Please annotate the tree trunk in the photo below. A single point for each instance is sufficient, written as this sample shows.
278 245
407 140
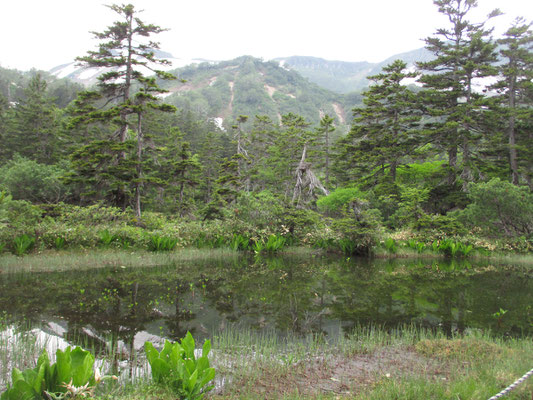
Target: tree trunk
452 163
138 184
513 156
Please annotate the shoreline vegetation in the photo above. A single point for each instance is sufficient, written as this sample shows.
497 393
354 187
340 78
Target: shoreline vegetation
365 363
94 258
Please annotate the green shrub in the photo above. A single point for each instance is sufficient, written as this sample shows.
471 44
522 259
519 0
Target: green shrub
357 236
177 366
28 180
337 200
500 208
445 224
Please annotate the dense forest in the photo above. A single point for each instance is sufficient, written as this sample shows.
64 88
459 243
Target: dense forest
442 152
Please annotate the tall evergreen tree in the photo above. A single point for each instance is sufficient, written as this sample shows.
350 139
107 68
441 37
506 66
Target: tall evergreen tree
125 51
34 133
463 52
516 89
324 131
384 133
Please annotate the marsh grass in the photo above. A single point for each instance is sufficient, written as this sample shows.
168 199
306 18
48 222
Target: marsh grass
406 363
364 363
51 260
18 348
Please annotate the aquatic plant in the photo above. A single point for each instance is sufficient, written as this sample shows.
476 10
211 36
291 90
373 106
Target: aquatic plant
22 244
390 245
239 242
106 238
162 243
71 376
177 366
59 242
451 248
275 243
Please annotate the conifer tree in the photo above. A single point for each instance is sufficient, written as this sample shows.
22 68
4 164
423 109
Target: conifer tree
324 131
384 133
463 52
516 97
126 52
35 123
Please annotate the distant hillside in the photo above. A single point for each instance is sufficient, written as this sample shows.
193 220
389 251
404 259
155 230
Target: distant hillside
343 76
249 86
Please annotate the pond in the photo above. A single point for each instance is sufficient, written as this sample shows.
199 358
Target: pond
288 295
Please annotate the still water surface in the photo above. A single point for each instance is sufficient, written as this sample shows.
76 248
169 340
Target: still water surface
295 295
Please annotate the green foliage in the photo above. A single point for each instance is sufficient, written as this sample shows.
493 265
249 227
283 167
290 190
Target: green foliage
358 236
28 180
410 208
162 243
177 366
16 216
337 200
275 243
70 376
444 224
500 208
106 238
23 244
59 242
452 248
414 245
391 245
239 242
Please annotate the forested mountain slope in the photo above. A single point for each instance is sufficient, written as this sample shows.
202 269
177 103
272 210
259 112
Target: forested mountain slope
250 86
343 76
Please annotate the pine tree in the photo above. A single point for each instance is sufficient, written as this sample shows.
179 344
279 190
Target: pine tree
125 52
324 131
463 52
383 135
516 97
35 126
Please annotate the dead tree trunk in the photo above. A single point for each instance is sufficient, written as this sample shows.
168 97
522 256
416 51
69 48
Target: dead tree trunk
305 178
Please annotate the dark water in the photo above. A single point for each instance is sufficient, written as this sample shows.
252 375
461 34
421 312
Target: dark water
297 295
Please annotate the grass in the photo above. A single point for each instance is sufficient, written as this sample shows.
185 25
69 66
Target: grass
365 363
51 260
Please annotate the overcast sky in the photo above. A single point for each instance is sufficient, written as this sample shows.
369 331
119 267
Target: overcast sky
46 33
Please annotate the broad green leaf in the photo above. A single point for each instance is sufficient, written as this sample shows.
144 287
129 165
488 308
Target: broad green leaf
192 380
63 369
160 370
202 364
16 375
21 390
206 348
151 353
209 375
39 383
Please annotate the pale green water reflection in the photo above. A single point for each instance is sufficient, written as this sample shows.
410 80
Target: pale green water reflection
297 295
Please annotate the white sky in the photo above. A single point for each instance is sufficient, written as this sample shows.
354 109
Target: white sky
46 33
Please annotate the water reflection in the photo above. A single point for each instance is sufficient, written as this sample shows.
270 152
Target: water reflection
116 309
